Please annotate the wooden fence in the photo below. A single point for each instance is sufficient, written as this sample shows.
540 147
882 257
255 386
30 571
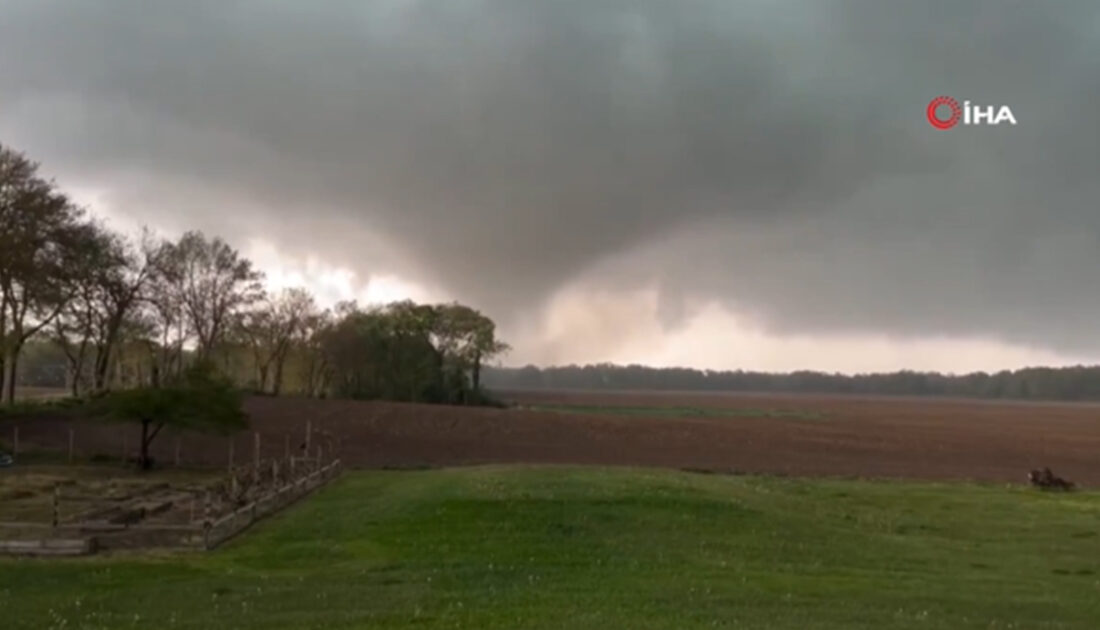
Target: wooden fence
76 537
215 532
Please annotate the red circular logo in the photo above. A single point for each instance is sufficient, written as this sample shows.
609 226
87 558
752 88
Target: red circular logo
950 121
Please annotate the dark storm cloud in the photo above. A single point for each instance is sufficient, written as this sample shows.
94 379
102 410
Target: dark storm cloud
772 155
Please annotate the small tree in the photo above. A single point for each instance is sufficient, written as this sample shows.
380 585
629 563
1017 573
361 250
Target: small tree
198 400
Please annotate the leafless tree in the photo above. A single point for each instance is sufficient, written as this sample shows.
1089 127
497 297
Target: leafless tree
271 328
122 288
311 343
212 283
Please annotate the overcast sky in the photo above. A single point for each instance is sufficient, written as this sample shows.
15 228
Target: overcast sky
720 184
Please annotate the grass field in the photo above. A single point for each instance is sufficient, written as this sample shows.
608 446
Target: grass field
517 547
677 411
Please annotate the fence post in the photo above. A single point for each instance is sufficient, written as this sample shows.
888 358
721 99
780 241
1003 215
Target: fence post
56 503
71 445
206 522
309 428
191 512
256 456
15 441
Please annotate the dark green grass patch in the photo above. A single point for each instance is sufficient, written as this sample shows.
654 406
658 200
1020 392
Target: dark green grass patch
545 547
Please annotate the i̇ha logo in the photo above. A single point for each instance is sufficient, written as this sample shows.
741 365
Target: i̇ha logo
967 113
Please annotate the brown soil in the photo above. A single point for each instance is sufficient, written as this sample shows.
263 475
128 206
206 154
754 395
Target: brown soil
847 436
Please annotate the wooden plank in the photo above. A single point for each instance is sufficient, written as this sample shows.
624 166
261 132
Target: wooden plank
48 547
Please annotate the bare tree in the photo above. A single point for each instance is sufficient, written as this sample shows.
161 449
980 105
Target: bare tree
312 345
212 283
122 286
72 332
164 315
272 328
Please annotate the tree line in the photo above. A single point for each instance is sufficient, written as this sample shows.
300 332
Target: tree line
96 310
1068 383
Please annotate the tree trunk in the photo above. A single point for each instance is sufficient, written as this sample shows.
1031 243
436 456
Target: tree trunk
477 372
102 368
78 368
146 462
11 363
316 377
277 384
441 374
118 373
261 372
11 358
310 367
4 290
104 352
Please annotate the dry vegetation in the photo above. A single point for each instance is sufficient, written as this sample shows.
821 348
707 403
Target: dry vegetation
26 493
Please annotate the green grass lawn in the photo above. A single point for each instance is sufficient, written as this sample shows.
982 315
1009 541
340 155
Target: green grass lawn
514 547
664 411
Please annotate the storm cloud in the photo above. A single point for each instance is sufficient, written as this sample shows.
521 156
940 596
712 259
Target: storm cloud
770 157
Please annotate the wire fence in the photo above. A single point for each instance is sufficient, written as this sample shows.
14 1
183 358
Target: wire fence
228 506
260 474
59 442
